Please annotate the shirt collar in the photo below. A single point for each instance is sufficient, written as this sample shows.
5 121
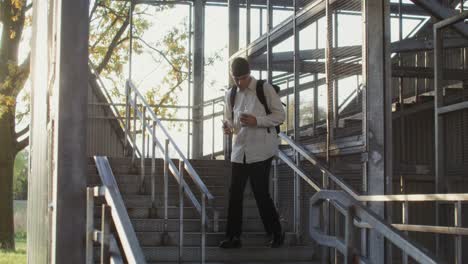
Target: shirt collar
253 83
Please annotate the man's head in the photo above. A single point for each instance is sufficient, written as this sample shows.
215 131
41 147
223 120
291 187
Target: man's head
240 72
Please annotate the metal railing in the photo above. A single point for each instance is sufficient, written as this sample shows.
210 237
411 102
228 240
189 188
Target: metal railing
149 123
113 211
113 107
352 205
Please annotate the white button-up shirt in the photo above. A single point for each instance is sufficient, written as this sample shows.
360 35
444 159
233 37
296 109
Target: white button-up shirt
256 143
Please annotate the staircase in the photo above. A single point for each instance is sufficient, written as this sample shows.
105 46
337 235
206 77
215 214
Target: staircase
159 246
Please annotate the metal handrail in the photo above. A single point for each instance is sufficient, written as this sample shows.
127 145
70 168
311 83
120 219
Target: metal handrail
178 173
336 179
349 196
113 107
354 208
118 213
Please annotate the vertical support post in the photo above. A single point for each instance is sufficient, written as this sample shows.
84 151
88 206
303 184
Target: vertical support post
89 225
127 117
316 86
130 32
153 170
326 216
349 237
335 81
405 221
269 47
296 69
135 111
143 150
203 227
198 79
233 47
248 25
287 107
68 104
438 124
105 234
297 199
458 238
181 210
376 74
213 131
189 80
166 182
328 76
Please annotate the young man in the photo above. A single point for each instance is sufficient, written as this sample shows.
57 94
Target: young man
255 143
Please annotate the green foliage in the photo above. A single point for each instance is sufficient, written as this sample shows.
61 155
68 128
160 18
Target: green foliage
19 255
20 177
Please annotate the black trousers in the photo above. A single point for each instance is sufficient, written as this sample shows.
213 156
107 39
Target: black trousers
258 173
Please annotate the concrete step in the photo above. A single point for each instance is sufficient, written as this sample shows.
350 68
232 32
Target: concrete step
136 178
251 254
191 225
244 255
134 189
173 212
173 200
212 239
241 262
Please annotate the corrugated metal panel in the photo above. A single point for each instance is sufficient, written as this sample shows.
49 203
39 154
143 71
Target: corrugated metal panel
103 138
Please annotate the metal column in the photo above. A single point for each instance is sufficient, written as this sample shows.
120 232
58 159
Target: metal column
297 180
376 73
269 47
198 78
233 47
69 115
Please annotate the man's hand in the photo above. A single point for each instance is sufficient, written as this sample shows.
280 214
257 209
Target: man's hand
227 128
248 120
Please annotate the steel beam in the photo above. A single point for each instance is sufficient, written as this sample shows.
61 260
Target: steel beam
405 45
198 78
436 9
376 78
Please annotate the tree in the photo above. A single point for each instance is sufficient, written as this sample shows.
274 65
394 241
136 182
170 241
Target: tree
13 75
108 51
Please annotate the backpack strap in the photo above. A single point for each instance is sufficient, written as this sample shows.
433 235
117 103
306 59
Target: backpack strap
232 99
261 98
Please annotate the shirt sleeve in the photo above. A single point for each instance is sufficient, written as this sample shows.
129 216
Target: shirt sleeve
277 115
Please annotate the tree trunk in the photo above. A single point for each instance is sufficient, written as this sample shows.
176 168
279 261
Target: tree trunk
7 159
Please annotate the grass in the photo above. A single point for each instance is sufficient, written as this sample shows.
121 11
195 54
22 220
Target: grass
18 256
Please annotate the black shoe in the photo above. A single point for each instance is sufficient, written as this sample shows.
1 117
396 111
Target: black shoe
233 242
278 240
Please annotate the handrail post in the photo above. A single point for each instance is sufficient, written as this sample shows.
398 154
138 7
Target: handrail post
297 199
143 150
153 170
405 221
127 116
105 232
135 109
349 236
89 225
203 228
326 217
181 209
458 238
213 131
166 182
